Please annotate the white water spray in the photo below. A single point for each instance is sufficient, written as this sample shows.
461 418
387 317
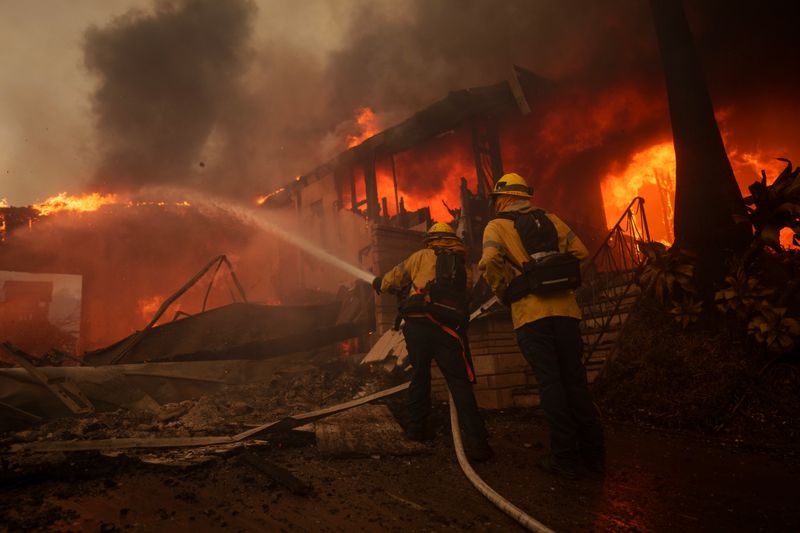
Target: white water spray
295 240
258 218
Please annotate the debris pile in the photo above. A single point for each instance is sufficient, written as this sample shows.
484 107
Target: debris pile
230 409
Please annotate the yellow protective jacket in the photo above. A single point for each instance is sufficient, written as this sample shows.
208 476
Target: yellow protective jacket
501 241
420 268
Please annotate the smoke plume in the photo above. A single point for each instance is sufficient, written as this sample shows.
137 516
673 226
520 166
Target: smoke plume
165 81
185 96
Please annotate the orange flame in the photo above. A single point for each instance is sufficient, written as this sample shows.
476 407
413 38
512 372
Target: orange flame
787 239
148 306
92 202
649 173
747 167
64 202
442 162
368 125
261 200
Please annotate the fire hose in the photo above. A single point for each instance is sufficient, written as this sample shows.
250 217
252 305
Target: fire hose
524 519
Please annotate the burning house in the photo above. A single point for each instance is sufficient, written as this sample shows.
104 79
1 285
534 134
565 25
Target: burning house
13 218
441 162
368 205
384 191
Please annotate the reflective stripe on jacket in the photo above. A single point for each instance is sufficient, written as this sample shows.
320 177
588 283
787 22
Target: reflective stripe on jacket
504 253
418 269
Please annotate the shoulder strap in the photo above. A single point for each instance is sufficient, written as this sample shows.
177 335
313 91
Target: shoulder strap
536 231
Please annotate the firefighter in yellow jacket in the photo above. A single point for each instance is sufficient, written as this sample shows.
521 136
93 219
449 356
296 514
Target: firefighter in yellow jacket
531 260
436 315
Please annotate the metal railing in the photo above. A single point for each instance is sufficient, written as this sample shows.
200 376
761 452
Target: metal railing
620 249
609 280
126 345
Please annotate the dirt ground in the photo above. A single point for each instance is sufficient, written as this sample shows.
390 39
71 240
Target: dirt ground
656 481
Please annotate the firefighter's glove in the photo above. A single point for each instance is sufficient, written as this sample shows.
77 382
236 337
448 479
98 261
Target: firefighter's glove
376 284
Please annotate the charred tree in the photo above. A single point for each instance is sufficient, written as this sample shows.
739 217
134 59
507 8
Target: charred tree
708 205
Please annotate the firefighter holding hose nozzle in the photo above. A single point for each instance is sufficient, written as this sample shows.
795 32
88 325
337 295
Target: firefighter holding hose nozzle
531 260
436 315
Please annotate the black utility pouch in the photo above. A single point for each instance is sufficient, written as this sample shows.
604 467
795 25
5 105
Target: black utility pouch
556 272
449 306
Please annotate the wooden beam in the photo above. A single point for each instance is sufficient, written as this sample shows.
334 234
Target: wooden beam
518 92
66 391
353 192
371 188
493 144
394 182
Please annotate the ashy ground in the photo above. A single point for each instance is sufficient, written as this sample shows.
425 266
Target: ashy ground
656 481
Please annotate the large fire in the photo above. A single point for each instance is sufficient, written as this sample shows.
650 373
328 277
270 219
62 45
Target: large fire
66 202
425 176
368 125
429 176
133 254
93 201
649 173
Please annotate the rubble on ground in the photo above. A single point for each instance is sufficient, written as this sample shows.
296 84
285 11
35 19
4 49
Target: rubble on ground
230 409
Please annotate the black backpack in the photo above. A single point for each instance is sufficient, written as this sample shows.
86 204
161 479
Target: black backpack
445 297
552 271
536 230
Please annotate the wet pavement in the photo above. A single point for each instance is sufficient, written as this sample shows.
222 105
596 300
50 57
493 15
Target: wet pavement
655 482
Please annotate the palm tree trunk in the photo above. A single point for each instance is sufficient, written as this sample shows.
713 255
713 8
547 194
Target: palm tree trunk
708 203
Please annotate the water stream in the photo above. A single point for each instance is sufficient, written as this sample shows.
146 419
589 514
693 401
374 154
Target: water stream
258 217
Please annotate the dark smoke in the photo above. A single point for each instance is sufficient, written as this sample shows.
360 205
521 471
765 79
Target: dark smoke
404 62
184 85
165 82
